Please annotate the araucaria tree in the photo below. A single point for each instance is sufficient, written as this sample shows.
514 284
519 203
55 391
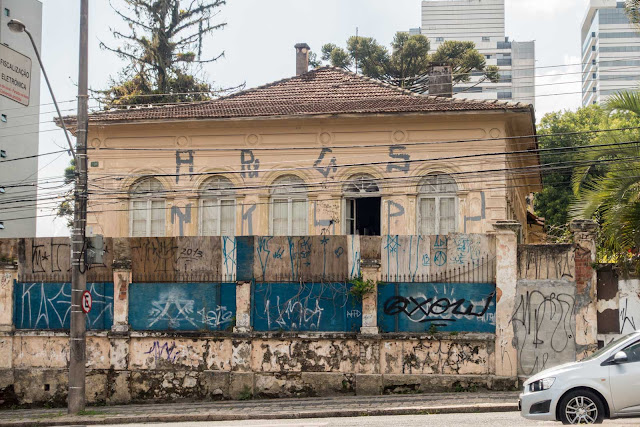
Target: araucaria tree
409 59
163 49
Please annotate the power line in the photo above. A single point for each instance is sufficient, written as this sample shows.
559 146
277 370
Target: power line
455 141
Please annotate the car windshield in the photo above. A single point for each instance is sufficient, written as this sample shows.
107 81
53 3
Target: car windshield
609 346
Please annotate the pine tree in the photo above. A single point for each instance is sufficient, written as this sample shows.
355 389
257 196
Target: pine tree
163 48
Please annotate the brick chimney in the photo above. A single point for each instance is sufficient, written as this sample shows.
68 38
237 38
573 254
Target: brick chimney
440 80
302 58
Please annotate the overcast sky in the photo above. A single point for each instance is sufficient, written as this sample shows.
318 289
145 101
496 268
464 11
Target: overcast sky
258 44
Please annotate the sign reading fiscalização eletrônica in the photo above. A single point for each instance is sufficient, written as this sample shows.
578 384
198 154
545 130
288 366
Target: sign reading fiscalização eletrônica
15 75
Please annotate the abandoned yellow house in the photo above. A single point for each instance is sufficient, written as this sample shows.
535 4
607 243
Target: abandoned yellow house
327 151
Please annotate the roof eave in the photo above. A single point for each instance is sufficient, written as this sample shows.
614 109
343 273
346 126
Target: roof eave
308 116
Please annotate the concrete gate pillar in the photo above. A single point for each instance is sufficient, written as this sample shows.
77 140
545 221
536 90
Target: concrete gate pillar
8 274
122 277
506 356
243 307
584 236
119 337
370 271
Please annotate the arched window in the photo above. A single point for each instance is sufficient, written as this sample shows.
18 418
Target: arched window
147 208
362 205
361 184
437 205
217 207
289 207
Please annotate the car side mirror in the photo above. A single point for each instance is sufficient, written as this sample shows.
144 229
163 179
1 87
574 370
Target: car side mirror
620 357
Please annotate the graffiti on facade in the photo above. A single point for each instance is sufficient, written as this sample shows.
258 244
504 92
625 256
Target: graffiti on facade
418 307
182 306
463 257
395 211
164 351
544 326
184 157
325 217
399 159
326 307
326 167
247 216
250 165
183 259
312 258
546 262
49 260
182 216
48 306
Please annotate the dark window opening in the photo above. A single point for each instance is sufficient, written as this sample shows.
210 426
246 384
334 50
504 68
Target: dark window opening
363 216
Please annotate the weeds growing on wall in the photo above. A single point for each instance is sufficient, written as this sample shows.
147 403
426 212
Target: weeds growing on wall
361 287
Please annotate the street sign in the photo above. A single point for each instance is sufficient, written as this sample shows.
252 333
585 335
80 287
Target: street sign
87 300
15 75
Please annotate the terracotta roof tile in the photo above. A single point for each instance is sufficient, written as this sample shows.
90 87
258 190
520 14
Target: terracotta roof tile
325 90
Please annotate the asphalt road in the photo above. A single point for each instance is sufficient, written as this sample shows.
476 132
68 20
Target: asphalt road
503 419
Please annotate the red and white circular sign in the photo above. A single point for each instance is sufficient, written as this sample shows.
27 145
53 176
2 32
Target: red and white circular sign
87 300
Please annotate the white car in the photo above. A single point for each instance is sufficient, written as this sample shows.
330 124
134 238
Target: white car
604 385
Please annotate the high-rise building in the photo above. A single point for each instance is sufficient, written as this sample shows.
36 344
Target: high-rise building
482 22
19 125
610 51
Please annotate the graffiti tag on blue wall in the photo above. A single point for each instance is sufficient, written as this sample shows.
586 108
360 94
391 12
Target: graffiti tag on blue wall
416 307
48 306
327 307
182 306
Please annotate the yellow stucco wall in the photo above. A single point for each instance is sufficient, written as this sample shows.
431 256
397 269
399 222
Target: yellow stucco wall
482 198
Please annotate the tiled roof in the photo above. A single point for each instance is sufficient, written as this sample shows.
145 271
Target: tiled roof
322 91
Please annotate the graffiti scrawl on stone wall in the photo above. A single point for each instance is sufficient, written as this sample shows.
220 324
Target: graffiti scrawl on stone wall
419 307
544 325
629 309
429 258
326 307
309 258
182 306
48 306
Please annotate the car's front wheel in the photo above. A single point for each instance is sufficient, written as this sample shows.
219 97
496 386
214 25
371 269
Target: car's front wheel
581 407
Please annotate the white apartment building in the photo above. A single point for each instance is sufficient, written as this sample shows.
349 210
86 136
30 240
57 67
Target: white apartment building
483 22
19 127
610 51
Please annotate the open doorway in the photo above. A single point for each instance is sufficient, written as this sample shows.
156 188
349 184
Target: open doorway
363 216
362 206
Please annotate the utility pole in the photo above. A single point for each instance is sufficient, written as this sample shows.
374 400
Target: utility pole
77 342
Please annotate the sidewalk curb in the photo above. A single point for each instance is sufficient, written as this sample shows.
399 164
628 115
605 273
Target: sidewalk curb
170 418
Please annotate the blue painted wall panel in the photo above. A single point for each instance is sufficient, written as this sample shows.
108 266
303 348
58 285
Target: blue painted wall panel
182 306
414 307
325 307
48 306
244 257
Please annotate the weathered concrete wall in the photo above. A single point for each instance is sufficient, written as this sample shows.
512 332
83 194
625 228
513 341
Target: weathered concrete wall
436 258
48 306
165 367
555 316
449 307
629 298
327 307
544 324
182 306
471 310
